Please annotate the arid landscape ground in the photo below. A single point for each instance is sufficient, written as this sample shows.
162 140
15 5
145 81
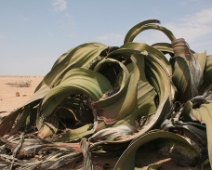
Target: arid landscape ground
14 95
15 91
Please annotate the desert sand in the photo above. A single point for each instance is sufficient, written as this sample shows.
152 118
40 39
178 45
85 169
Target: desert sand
13 96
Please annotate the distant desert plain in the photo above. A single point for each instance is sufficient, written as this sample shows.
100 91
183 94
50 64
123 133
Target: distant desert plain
15 91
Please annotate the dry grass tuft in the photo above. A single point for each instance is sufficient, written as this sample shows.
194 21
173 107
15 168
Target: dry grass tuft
20 83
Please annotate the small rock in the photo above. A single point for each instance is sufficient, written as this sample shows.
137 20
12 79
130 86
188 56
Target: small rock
17 94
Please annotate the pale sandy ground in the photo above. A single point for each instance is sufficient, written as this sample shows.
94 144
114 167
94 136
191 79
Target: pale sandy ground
9 101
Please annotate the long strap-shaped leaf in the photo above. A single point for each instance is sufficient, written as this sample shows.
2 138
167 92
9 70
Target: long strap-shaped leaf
115 111
75 134
79 56
159 78
124 81
153 51
181 79
75 81
145 26
204 115
143 104
127 159
49 128
7 123
187 74
135 29
165 48
161 81
207 78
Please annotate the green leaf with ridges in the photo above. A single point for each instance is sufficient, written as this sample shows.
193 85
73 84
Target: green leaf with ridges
73 135
181 79
7 122
204 115
124 81
115 111
165 48
158 76
78 57
49 127
135 29
79 81
151 50
207 77
188 73
127 159
142 27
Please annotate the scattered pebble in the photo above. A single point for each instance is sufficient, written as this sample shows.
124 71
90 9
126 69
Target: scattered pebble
17 94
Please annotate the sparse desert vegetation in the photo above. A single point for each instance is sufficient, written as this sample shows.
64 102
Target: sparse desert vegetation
25 83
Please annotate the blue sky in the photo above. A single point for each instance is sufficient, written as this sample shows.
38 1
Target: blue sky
33 34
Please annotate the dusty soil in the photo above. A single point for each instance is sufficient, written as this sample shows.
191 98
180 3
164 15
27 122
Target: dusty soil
13 96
